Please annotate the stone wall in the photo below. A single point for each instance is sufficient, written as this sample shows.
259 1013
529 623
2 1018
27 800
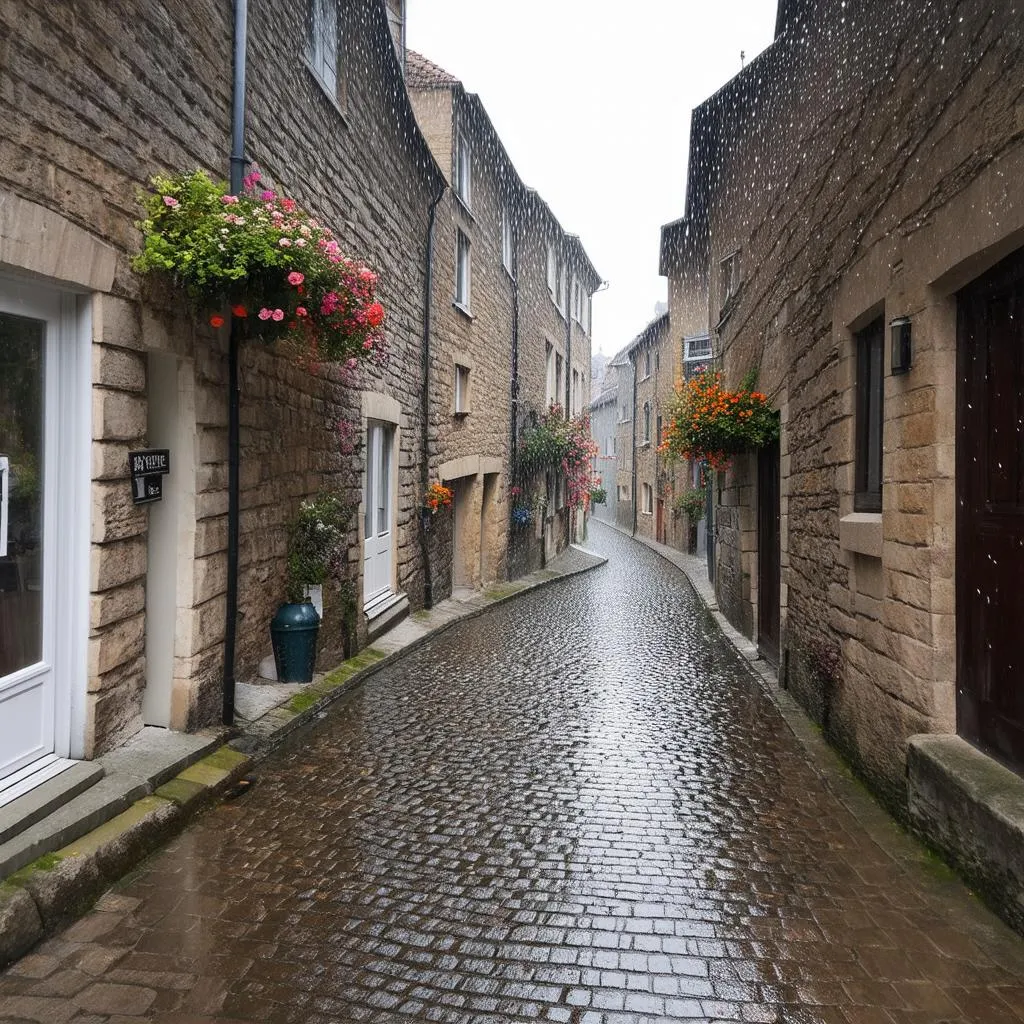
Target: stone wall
831 163
96 104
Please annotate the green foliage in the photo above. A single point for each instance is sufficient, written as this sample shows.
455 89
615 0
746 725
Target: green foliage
316 543
598 495
545 445
691 504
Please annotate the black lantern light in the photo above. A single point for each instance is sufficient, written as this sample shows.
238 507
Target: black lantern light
902 351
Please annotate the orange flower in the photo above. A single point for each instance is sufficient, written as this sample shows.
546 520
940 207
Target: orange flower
216 320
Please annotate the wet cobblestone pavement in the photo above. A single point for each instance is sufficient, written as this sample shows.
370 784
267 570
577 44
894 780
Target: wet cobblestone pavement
576 807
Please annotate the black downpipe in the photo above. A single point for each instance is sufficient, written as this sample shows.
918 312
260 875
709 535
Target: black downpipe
428 576
570 514
234 341
514 442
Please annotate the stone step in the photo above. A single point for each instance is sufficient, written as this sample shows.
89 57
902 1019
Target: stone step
117 780
43 800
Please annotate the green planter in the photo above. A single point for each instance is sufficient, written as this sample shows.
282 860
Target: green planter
293 634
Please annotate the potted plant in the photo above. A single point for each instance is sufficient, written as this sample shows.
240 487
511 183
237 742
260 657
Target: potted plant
316 542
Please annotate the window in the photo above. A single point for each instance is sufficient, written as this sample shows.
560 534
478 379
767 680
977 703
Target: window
322 49
868 451
696 354
461 390
657 361
559 380
646 499
585 321
552 271
609 446
561 293
647 422
577 300
506 239
549 371
647 364
729 277
463 170
462 272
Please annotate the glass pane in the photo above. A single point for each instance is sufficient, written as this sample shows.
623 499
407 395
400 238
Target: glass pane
21 491
372 436
384 490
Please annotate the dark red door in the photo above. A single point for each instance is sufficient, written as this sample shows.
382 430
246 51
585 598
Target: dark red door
769 553
990 511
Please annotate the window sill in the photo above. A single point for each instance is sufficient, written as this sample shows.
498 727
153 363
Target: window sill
464 310
861 532
464 206
331 95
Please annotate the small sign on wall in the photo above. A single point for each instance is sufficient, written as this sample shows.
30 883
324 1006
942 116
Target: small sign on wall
148 469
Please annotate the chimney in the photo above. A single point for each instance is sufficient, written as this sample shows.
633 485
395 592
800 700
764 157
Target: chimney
396 22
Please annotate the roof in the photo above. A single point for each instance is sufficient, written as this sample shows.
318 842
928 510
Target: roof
421 73
660 322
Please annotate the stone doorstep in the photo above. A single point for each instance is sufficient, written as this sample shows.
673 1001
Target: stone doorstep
97 791
970 808
154 784
61 885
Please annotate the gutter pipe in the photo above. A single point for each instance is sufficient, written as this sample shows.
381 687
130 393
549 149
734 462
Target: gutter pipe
428 579
238 161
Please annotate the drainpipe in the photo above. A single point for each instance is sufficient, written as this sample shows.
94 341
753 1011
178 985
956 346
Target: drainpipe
428 579
237 170
514 443
632 363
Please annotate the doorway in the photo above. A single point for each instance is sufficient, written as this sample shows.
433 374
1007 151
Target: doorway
378 512
43 459
769 557
990 511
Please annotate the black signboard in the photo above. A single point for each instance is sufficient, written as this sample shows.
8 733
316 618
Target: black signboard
148 468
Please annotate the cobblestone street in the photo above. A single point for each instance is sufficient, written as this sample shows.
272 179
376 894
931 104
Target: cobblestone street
576 807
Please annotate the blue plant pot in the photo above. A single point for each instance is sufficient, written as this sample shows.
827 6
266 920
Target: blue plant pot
293 634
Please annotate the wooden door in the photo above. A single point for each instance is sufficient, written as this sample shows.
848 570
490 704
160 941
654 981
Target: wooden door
990 511
769 556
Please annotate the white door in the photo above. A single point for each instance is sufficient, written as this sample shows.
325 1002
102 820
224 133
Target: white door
377 514
31 549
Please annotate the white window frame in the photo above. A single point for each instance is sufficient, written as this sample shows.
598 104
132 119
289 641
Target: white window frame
549 374
464 171
646 499
322 44
463 270
552 272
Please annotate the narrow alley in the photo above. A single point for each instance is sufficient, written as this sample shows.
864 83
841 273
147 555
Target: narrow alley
579 806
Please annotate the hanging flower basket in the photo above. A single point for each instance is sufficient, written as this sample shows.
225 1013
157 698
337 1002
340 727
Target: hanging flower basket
276 267
710 424
557 443
437 497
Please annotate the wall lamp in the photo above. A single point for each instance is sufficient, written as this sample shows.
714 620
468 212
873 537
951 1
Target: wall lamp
902 355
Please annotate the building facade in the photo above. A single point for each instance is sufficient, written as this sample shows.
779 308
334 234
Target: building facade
855 229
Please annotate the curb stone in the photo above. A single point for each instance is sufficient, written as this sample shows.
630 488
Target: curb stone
58 887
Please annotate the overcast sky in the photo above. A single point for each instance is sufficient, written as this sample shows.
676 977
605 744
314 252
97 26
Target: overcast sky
592 100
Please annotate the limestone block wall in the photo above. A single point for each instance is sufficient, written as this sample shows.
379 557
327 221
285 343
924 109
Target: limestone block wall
830 164
97 103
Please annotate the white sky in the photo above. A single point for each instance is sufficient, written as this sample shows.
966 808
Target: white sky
592 100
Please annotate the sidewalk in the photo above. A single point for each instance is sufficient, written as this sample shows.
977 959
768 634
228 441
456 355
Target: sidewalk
132 800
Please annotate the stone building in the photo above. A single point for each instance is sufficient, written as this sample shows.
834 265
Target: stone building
854 226
118 609
495 302
604 411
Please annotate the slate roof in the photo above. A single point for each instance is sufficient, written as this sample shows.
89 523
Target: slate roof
421 73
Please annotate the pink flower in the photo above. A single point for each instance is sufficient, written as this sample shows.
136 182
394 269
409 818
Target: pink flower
296 278
284 242
264 314
171 202
301 311
250 180
229 200
300 242
278 314
289 205
267 195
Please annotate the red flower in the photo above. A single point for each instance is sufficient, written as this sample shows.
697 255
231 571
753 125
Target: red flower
216 320
375 314
240 311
